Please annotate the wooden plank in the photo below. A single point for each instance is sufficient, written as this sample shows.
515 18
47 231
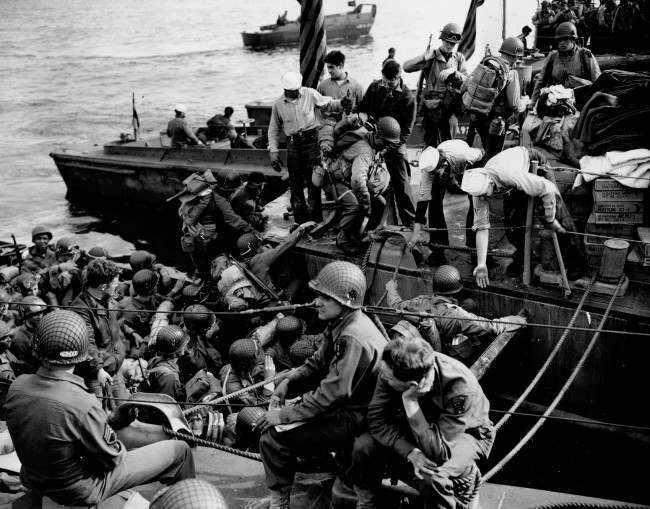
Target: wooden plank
483 363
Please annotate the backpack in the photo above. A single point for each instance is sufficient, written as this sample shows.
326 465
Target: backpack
484 85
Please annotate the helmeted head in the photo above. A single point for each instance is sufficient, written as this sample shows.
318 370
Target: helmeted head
341 283
406 361
388 130
446 280
171 340
451 33
191 294
197 318
289 329
27 284
227 180
247 436
477 182
404 329
243 354
61 339
189 494
512 47
141 259
566 36
545 4
97 252
66 249
32 309
41 235
248 245
300 351
145 282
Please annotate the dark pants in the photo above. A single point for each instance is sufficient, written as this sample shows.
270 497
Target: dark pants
437 217
436 131
279 450
400 181
370 460
491 140
302 155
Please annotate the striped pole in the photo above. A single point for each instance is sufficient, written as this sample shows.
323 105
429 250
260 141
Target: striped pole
468 39
312 41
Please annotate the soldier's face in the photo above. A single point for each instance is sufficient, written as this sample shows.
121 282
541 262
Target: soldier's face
41 241
394 382
327 308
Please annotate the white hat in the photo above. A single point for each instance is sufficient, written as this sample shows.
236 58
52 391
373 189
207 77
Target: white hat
291 81
476 182
180 108
429 159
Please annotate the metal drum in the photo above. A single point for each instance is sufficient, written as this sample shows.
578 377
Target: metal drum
613 261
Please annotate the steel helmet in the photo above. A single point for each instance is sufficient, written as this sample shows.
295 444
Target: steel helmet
62 338
388 128
227 180
198 318
191 293
97 252
144 282
289 327
243 352
41 230
566 30
429 159
342 281
189 494
446 280
141 260
247 418
512 46
170 339
248 244
32 305
300 351
451 33
65 245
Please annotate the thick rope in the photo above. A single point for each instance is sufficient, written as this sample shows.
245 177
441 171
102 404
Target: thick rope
207 443
395 272
548 361
560 394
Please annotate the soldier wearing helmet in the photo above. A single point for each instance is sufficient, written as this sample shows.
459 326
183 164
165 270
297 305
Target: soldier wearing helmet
441 169
444 71
288 330
390 97
179 130
62 281
247 367
201 352
569 65
66 443
41 255
164 373
452 326
334 411
543 18
136 322
429 420
294 114
23 344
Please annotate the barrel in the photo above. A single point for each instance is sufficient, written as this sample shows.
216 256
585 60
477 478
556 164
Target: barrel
613 261
525 73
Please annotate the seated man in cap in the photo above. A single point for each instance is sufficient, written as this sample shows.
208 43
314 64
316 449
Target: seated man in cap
508 174
179 130
429 420
293 114
341 376
65 441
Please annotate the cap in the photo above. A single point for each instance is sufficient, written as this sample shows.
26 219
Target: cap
291 81
181 108
429 159
476 182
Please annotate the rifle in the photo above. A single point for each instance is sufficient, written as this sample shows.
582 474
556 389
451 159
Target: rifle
421 79
257 281
19 255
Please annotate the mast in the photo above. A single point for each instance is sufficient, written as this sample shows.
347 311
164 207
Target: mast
503 29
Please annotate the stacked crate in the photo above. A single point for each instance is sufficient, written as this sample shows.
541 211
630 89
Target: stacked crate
617 211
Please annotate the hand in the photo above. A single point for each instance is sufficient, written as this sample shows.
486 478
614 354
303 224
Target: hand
104 378
556 226
276 164
235 303
193 230
413 240
306 227
269 367
391 285
138 340
268 420
445 73
481 275
421 464
279 395
346 103
413 393
216 426
454 128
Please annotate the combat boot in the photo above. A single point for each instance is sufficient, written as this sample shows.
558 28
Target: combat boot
280 498
366 499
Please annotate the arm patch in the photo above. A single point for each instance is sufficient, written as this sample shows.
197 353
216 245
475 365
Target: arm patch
458 405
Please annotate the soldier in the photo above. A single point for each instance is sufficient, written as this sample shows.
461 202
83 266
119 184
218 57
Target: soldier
429 420
441 66
64 439
246 200
136 320
179 131
288 330
41 255
454 330
23 346
247 367
333 413
164 374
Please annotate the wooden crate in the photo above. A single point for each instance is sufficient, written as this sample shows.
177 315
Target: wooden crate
626 194
643 233
619 207
593 248
612 230
625 218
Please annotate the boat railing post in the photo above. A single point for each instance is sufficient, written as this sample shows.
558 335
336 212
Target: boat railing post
529 228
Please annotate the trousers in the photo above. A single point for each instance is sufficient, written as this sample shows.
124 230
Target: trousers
370 460
303 154
333 431
437 217
400 181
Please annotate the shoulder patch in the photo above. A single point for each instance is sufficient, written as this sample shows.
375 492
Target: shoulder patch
339 348
458 405
109 436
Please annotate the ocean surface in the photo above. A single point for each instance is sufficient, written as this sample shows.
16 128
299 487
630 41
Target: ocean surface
68 69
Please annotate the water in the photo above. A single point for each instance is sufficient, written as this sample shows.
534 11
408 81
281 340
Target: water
68 68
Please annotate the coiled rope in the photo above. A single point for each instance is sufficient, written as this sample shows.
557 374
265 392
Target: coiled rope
208 443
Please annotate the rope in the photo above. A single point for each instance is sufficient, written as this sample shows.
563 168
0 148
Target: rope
207 443
397 267
550 358
560 394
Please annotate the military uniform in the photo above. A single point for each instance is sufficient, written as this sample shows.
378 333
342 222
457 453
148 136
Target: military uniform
198 355
233 381
22 346
70 452
36 260
164 378
459 433
333 412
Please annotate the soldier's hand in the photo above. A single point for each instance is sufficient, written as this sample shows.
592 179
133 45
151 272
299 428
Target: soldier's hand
445 73
421 464
279 395
104 378
413 393
413 240
391 285
269 367
481 275
276 164
268 420
556 226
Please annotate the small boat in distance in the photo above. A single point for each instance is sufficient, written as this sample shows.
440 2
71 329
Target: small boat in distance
349 25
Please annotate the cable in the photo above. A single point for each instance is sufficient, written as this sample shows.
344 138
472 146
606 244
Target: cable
207 443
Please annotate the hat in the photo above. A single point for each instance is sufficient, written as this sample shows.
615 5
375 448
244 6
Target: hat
429 159
180 108
476 182
291 81
197 184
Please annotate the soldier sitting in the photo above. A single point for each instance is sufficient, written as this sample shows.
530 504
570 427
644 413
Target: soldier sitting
246 200
247 367
288 330
41 255
164 373
23 344
136 321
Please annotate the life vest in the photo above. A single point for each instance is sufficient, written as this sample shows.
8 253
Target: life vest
484 85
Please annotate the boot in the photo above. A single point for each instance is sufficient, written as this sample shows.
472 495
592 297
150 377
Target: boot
280 498
366 499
